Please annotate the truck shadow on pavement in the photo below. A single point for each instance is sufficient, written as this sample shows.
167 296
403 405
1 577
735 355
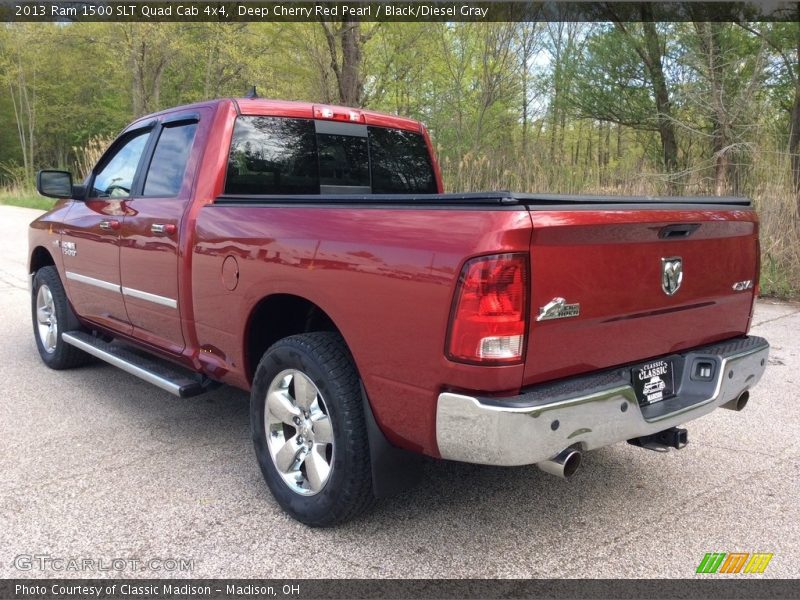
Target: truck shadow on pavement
217 425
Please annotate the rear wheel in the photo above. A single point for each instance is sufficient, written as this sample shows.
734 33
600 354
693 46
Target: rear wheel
51 314
308 429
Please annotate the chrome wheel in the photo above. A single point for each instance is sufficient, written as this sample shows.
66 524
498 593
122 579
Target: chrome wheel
299 432
46 321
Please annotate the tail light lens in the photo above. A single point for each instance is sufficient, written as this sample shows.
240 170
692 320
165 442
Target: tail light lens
490 311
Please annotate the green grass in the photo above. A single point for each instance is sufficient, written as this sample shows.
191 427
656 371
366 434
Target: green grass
28 201
776 282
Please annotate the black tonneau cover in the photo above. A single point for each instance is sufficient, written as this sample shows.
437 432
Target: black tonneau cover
501 198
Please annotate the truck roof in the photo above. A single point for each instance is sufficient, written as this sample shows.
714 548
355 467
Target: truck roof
292 108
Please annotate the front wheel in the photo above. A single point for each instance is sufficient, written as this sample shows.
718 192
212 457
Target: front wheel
308 429
51 313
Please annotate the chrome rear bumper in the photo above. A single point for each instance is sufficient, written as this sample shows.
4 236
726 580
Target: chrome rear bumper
591 411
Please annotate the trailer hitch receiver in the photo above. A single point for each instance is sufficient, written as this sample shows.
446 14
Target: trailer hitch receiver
674 437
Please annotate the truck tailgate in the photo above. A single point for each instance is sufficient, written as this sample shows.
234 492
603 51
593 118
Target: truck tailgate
611 262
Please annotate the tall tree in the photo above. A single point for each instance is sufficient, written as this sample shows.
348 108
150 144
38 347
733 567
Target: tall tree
395 78
474 85
346 43
564 49
784 41
20 66
650 47
149 49
528 43
622 78
729 72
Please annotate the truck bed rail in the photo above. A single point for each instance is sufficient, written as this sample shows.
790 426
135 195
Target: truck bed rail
498 198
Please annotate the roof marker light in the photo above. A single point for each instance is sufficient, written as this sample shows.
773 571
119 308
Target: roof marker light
337 113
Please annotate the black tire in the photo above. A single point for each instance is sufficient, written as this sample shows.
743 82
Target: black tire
59 355
324 359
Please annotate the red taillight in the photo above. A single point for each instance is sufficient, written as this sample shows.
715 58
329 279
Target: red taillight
490 311
338 113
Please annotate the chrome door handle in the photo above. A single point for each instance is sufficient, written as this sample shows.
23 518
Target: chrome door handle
163 228
109 225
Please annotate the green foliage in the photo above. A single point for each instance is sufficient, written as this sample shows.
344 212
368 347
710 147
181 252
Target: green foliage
38 202
776 280
611 83
561 107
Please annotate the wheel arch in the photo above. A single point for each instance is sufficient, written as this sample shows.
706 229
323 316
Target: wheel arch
277 316
40 257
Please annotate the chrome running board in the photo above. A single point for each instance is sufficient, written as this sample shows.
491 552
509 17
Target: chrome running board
160 373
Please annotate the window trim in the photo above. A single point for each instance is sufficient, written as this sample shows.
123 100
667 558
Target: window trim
181 119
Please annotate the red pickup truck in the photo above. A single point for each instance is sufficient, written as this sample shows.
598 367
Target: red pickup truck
308 254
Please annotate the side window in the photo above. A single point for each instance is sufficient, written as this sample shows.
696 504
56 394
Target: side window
165 175
400 162
115 178
273 155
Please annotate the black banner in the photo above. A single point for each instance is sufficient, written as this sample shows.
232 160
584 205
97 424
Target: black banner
734 588
397 11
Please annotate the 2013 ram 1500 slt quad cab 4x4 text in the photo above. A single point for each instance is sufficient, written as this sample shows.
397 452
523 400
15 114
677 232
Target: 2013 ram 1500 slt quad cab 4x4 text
308 254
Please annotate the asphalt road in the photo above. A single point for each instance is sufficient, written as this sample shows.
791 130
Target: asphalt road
97 464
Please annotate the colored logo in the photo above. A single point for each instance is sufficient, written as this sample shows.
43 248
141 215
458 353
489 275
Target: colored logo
734 562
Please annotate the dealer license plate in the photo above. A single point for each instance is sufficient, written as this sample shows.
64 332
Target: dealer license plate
653 382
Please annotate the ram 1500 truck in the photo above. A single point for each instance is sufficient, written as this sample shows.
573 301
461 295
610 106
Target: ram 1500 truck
308 254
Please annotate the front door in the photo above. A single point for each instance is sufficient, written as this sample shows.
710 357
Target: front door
149 242
90 235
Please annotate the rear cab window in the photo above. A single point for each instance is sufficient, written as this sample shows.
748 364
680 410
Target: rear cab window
400 162
290 156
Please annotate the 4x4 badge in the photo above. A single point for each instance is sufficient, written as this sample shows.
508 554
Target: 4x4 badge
671 274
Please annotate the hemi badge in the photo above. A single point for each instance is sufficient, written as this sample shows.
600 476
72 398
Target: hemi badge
558 308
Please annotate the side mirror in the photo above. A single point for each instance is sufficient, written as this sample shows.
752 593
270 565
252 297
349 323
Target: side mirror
55 184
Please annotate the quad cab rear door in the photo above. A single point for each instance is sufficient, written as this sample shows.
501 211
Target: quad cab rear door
150 250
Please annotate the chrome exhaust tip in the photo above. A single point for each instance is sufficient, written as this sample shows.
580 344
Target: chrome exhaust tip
564 464
739 402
